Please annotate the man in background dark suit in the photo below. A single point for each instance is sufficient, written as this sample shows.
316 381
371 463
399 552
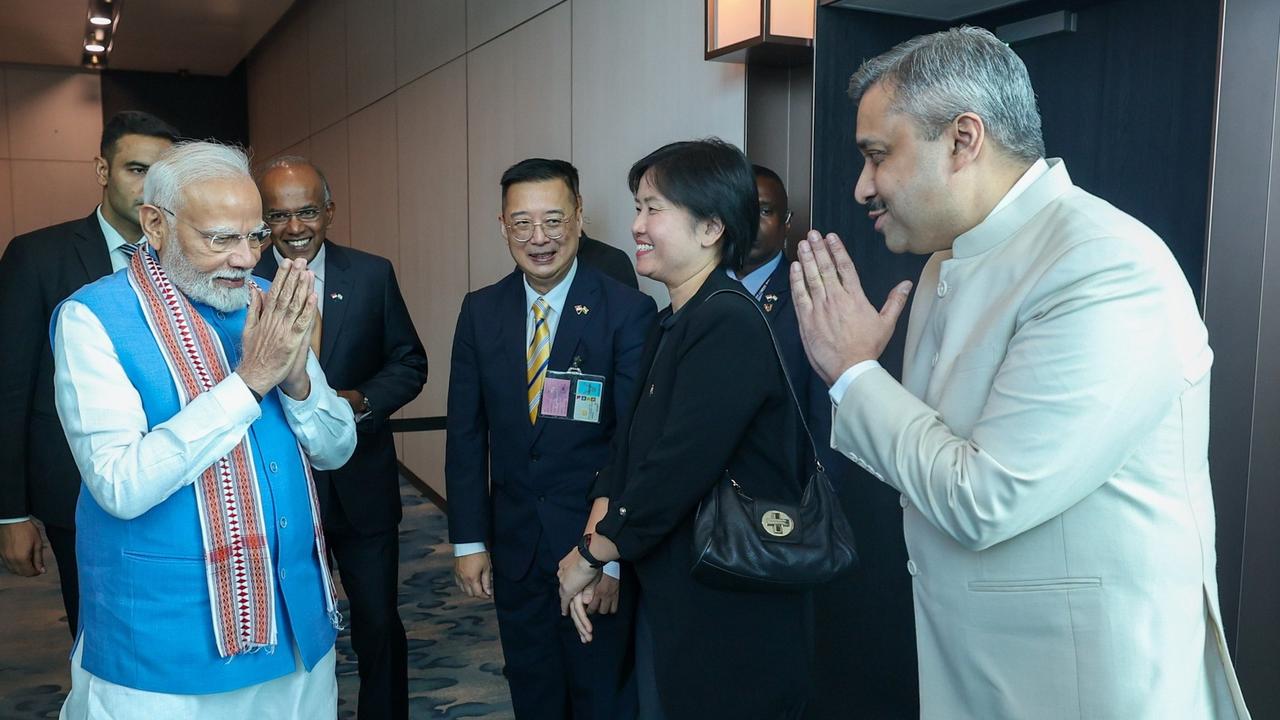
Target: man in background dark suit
608 259
372 356
517 479
40 269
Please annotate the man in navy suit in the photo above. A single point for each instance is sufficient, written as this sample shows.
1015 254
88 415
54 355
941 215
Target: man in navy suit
517 474
372 356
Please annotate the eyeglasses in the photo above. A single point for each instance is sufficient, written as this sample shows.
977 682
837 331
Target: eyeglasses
281 217
226 242
552 229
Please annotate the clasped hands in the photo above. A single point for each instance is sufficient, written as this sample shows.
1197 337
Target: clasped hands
838 325
277 333
584 590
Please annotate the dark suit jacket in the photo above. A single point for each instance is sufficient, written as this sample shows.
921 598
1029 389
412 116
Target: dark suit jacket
608 259
368 343
714 399
540 474
39 270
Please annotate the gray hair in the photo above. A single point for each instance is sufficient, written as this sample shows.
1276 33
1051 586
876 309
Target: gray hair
934 78
189 163
284 161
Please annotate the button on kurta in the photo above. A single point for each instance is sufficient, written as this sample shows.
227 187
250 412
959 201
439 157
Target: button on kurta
902 502
273 467
942 288
284 522
912 569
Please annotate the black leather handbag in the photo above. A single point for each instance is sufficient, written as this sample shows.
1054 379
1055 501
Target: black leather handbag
749 543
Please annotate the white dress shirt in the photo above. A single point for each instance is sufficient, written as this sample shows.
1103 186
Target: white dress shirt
1033 173
119 260
316 266
755 281
555 300
129 468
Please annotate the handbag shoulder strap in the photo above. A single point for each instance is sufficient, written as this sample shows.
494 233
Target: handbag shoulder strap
777 349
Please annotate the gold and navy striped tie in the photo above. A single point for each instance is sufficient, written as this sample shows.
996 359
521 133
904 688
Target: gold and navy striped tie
538 357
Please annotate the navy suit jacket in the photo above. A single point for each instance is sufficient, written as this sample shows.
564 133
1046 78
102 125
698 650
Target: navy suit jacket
368 343
510 483
810 389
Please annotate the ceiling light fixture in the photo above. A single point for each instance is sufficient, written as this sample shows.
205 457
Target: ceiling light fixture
102 12
100 24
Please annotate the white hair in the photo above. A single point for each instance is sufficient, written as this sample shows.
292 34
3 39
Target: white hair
934 78
189 163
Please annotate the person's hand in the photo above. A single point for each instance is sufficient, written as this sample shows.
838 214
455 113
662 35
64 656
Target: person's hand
602 596
474 575
22 548
277 330
838 325
575 575
354 398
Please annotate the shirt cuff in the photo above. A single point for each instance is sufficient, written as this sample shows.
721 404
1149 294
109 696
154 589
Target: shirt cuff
847 377
613 570
14 521
464 549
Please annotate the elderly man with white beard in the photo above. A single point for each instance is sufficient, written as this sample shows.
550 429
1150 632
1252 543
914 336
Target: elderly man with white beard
195 410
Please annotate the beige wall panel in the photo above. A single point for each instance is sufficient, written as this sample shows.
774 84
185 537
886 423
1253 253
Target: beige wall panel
6 206
371 51
371 162
4 118
301 149
432 129
329 153
424 456
327 62
487 19
53 114
639 82
518 106
429 33
278 87
47 192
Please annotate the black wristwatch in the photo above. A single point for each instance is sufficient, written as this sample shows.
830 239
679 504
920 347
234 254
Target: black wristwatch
584 549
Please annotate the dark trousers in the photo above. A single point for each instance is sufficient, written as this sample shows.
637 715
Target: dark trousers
369 566
63 543
552 674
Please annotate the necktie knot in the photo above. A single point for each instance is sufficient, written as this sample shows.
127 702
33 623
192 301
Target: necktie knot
130 248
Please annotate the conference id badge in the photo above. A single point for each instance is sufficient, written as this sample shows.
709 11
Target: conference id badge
572 395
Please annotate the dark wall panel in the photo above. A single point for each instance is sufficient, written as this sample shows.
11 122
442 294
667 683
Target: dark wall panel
200 106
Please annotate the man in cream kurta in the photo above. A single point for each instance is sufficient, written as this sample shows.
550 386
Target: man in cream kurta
1050 433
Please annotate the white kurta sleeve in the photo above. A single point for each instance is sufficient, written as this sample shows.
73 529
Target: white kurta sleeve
323 422
1097 359
126 467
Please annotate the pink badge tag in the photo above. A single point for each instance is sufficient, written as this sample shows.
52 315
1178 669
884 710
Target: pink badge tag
555 398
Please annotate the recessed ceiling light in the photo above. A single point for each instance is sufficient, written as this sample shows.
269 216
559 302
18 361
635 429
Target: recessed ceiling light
94 47
99 20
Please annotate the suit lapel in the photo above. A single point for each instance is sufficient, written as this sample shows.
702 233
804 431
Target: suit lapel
91 247
564 346
513 313
776 295
337 296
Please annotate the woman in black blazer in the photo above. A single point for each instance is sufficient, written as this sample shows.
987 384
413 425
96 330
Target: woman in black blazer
714 399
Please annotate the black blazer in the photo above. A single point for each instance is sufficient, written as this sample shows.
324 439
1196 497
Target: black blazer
609 260
39 270
540 473
368 344
714 398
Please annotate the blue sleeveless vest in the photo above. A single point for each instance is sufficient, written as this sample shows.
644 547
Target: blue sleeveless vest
145 615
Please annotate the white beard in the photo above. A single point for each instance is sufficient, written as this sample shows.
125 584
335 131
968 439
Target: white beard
200 287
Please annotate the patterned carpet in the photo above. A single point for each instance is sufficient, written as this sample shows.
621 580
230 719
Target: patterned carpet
455 662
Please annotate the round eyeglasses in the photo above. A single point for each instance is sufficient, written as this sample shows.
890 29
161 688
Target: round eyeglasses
226 242
552 229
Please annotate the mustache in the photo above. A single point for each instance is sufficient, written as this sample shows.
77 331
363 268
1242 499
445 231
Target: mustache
232 274
876 204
